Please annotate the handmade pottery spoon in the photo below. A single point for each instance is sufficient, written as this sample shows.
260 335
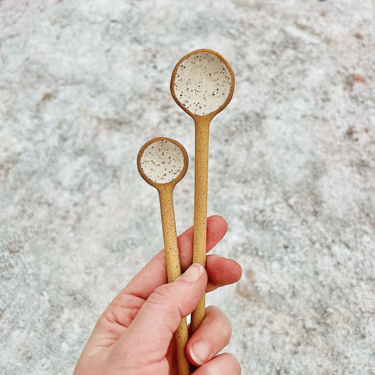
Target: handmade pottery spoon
202 85
163 162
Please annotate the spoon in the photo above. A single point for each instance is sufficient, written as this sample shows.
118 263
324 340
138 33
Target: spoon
163 162
202 84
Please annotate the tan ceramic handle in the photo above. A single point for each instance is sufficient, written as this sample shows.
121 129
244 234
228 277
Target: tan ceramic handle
172 262
202 128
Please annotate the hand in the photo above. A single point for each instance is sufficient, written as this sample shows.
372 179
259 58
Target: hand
134 334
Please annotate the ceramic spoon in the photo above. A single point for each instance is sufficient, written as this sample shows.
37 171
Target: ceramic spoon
202 85
163 162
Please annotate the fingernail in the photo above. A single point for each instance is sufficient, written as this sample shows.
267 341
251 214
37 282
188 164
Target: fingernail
193 273
200 352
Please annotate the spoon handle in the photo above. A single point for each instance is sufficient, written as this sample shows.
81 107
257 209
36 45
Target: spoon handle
172 262
202 127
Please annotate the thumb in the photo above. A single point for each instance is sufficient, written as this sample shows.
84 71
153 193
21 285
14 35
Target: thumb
153 327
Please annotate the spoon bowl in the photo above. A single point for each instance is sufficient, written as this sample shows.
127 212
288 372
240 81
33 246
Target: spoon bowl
162 161
202 83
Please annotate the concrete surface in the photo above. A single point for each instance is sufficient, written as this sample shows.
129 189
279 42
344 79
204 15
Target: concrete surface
84 84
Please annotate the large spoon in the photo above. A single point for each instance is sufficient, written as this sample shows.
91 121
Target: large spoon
202 85
163 162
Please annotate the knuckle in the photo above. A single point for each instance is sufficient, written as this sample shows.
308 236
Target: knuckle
225 327
164 302
234 364
214 310
161 296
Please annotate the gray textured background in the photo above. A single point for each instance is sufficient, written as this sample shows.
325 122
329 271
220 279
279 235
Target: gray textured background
83 84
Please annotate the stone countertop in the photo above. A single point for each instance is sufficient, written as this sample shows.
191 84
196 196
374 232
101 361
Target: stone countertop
83 85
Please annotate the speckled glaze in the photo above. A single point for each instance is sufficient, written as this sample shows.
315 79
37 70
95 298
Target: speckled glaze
202 84
162 162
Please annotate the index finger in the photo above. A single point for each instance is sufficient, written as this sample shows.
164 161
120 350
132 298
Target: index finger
154 273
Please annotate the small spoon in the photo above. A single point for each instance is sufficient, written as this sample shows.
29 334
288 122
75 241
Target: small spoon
202 84
163 162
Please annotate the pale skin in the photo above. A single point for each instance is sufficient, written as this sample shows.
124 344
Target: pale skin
134 335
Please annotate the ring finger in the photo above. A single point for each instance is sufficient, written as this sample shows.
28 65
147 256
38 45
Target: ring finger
212 335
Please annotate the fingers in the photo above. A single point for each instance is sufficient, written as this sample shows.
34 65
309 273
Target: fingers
154 273
221 271
223 364
216 229
160 315
210 338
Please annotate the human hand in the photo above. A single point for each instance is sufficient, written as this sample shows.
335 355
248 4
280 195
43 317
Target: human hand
134 334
